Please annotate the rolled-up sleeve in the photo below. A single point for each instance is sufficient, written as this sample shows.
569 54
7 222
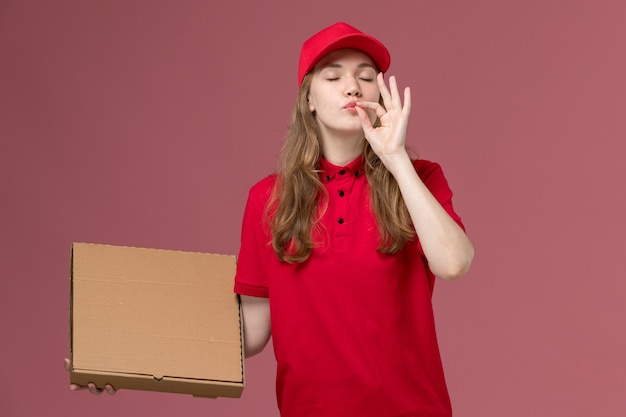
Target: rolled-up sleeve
251 277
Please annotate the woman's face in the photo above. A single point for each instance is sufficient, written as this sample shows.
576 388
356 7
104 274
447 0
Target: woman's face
339 80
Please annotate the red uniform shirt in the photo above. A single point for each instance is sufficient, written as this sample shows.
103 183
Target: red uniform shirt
353 329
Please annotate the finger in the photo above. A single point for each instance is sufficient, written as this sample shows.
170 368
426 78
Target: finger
384 92
93 389
366 123
75 387
109 389
407 102
395 95
378 109
66 363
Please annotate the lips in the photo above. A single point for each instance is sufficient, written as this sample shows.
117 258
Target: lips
350 106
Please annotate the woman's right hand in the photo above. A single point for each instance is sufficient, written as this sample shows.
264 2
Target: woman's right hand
90 386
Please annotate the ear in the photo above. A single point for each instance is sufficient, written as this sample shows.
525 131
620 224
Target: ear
311 107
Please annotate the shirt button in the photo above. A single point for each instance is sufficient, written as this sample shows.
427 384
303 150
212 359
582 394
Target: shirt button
340 221
343 171
356 173
341 193
327 177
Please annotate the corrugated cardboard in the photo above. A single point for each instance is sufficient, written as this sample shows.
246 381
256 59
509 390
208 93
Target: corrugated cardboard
155 320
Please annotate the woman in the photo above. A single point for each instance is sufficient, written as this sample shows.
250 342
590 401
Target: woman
340 247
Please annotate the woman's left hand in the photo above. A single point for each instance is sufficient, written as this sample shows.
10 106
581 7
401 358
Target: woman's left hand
387 140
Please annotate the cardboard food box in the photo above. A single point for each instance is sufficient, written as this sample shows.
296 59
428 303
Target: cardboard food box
156 320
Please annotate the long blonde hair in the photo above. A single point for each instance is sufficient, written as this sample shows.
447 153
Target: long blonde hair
299 197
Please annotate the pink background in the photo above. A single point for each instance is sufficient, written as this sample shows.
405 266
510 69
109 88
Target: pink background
144 123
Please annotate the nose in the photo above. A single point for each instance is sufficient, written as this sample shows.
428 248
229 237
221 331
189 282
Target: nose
352 88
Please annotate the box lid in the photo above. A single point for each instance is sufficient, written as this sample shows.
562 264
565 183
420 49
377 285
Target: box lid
156 316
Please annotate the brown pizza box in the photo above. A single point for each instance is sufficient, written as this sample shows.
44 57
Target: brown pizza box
155 320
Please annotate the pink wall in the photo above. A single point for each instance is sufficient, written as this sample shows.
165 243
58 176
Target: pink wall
144 123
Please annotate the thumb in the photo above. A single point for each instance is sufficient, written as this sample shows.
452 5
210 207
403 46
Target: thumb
364 118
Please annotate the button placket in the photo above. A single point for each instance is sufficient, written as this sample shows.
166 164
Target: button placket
341 184
344 185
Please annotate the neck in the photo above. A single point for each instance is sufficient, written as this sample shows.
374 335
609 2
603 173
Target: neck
342 150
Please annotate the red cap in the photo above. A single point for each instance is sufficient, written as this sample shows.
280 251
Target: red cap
339 36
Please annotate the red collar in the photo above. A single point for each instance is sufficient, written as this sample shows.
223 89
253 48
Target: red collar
329 171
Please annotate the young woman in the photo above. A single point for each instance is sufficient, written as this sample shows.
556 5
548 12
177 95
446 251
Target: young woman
340 247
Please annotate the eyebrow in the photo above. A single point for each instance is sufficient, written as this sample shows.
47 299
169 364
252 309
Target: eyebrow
336 65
